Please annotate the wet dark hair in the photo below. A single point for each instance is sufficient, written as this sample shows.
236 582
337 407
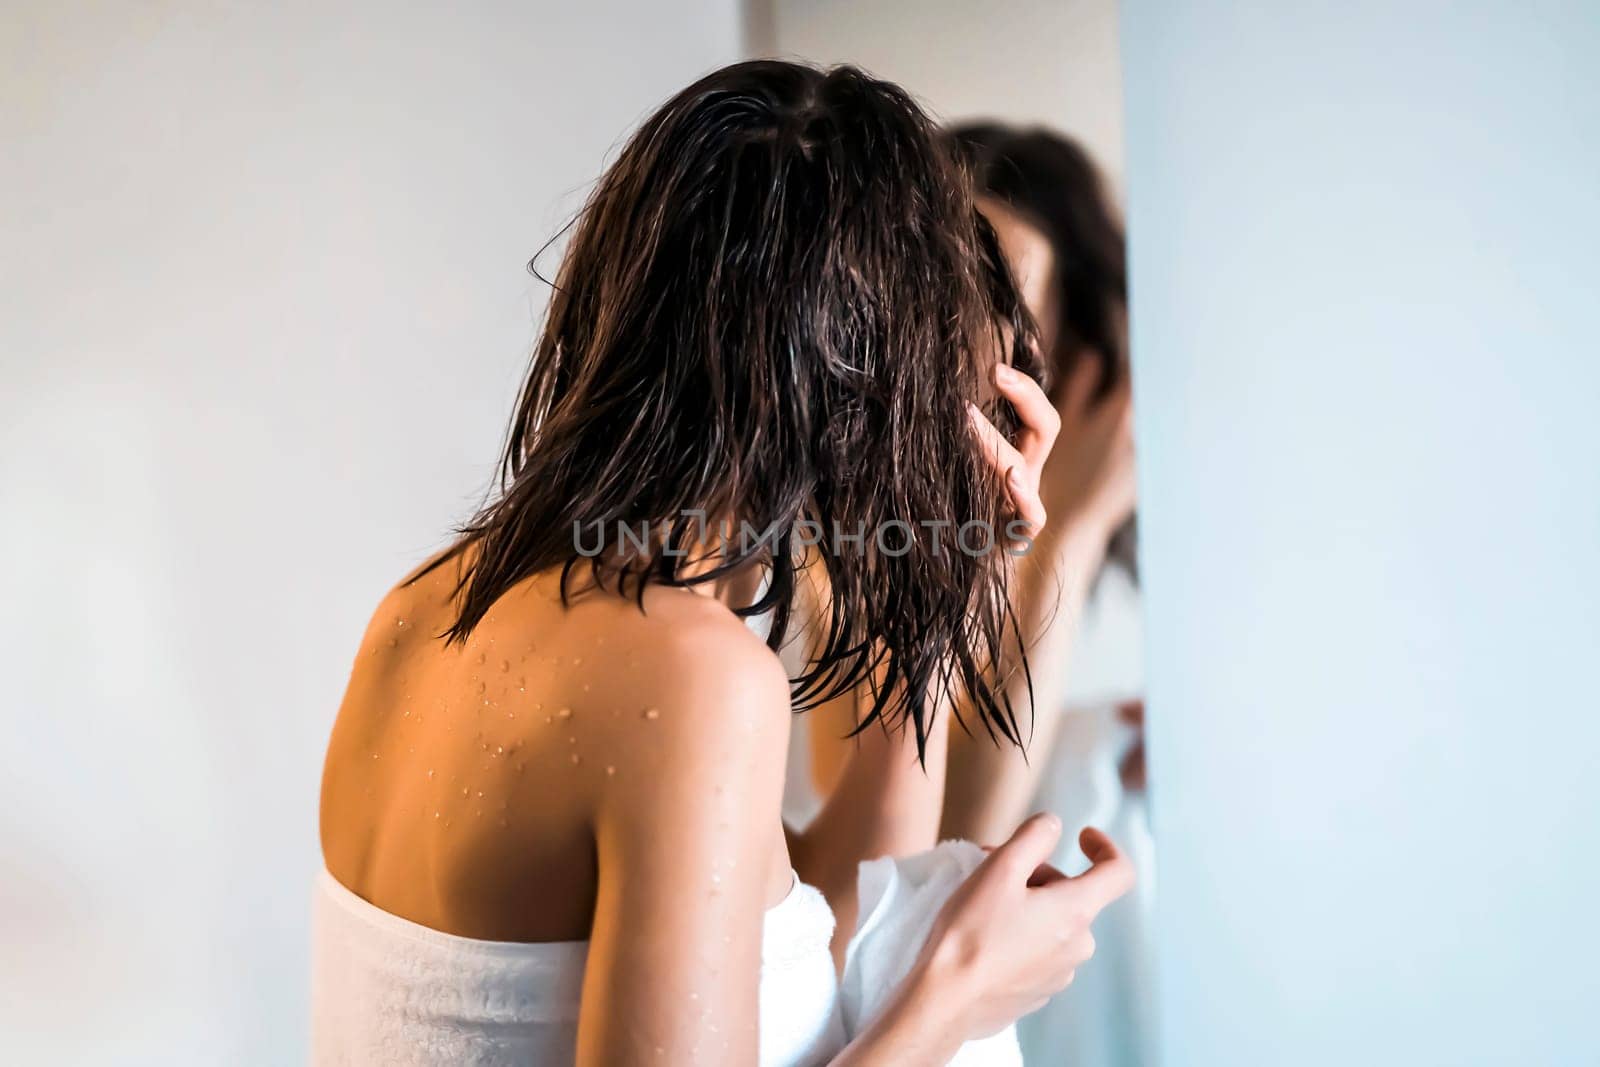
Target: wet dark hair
775 308
1050 181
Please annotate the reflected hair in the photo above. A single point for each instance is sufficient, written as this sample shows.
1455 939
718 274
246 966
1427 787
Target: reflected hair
1049 180
773 309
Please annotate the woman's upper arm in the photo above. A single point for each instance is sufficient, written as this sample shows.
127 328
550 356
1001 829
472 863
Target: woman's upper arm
685 834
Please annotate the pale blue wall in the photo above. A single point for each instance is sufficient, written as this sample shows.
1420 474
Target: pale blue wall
1366 319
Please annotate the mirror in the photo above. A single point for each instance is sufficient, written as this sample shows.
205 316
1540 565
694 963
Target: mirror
1032 93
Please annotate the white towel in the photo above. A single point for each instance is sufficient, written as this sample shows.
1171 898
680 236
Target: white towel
900 898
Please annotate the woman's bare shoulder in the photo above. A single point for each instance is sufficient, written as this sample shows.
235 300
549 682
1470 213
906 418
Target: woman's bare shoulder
688 662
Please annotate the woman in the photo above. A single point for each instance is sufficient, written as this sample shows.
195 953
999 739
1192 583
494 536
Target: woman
550 810
1064 241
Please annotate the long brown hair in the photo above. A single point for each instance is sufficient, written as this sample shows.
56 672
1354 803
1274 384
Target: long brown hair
775 307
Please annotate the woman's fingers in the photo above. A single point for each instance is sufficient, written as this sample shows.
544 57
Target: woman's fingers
1002 454
1021 481
1026 850
1044 874
1025 499
1109 877
1040 420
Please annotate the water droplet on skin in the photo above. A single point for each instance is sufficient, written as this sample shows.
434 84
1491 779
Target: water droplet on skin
572 740
480 792
401 623
483 657
394 642
435 815
499 750
548 718
477 812
463 790
585 687
374 755
576 759
505 665
577 661
483 687
611 770
564 713
652 713
430 772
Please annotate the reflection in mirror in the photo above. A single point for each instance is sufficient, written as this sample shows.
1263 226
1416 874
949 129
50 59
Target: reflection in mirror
1030 94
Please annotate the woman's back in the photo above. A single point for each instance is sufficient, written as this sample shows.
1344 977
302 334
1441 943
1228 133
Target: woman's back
464 782
474 792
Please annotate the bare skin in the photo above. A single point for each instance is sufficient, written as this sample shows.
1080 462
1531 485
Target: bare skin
452 790
595 772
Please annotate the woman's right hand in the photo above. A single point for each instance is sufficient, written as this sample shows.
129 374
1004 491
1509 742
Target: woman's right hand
1017 929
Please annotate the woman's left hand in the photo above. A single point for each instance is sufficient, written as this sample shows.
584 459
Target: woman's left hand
1020 465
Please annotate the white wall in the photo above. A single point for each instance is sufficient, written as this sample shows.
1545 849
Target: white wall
1364 247
264 310
1047 61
